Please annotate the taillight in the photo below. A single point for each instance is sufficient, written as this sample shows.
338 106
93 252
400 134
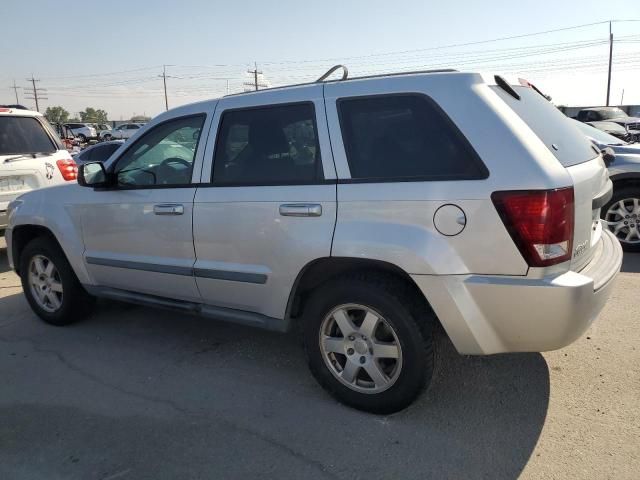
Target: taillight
540 223
68 169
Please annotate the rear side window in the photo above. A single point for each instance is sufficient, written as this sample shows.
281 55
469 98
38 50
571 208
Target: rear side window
404 137
268 145
564 140
23 135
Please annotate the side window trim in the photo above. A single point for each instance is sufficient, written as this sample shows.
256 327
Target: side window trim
320 174
197 154
483 171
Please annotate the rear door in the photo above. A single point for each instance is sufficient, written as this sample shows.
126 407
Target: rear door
578 155
266 206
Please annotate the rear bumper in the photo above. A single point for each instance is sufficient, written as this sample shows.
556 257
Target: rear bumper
496 314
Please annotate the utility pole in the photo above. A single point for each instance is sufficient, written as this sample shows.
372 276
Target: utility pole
15 89
36 92
164 81
610 60
255 84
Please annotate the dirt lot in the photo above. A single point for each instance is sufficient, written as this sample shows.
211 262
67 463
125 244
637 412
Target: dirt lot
135 393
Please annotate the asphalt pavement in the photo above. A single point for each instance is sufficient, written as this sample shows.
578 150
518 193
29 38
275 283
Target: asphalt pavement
138 393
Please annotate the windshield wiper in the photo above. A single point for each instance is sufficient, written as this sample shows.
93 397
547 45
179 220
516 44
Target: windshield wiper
25 156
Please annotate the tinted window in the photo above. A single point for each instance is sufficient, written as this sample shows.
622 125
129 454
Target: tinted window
157 159
404 137
562 139
268 145
23 135
133 127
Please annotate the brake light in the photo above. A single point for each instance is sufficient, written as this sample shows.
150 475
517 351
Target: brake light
68 169
540 223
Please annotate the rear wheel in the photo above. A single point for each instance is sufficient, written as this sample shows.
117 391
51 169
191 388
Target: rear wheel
82 138
107 137
50 285
622 215
368 343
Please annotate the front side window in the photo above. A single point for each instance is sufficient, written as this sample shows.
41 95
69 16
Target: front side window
275 144
404 137
157 158
23 135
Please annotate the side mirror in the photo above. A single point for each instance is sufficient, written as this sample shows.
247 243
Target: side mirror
92 174
608 155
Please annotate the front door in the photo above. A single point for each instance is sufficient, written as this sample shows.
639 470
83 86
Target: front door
138 235
267 206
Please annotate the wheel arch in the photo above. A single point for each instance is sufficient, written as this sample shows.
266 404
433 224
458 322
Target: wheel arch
325 269
626 179
21 235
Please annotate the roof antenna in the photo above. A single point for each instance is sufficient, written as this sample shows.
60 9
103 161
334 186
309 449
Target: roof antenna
345 73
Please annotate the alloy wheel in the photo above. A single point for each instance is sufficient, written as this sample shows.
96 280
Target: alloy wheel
45 283
622 219
360 348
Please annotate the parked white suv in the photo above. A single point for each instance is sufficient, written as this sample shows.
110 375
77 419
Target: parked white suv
31 156
121 132
363 211
83 131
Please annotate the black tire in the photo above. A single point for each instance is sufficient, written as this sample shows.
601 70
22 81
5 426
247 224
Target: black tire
82 138
408 315
622 193
76 303
106 138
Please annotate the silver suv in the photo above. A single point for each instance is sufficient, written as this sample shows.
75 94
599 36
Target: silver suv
362 211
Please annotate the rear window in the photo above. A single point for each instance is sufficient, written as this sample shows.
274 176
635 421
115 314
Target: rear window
564 140
23 135
403 138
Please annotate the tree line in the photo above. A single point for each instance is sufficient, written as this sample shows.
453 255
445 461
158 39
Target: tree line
58 114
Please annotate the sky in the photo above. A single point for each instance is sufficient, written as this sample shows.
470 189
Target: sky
112 58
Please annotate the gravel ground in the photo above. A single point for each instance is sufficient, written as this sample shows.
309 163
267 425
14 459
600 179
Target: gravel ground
136 393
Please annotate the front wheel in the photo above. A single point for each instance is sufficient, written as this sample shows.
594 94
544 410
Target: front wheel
622 216
50 285
369 343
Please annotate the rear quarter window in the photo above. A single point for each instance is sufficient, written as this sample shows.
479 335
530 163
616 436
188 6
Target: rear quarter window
404 137
569 145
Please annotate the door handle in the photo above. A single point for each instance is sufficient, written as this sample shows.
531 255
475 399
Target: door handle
301 210
168 209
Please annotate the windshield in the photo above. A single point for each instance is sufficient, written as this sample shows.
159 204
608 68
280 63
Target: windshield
23 135
612 113
596 134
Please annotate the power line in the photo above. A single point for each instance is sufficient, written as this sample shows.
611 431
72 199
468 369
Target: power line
15 89
36 92
256 84
456 45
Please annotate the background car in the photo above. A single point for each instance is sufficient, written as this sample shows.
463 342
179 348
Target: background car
98 152
622 212
31 157
613 128
612 114
83 131
121 132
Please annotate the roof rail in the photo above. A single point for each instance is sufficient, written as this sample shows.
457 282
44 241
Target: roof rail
345 73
